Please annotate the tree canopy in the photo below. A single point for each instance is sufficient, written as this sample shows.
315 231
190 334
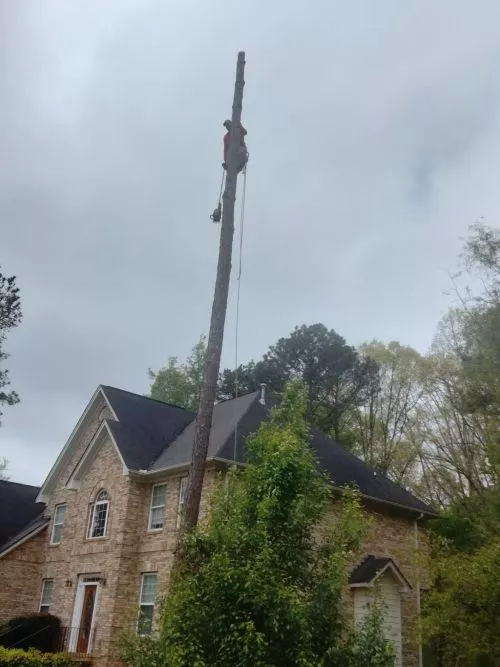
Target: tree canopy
10 317
180 383
337 379
385 428
463 456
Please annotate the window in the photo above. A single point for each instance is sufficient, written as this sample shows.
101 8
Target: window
182 499
47 592
157 509
99 515
57 527
147 601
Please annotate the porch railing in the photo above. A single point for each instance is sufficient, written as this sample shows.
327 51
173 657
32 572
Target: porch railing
79 641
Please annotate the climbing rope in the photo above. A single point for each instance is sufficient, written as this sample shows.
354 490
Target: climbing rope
237 328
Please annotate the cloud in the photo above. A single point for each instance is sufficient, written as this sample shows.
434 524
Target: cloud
373 133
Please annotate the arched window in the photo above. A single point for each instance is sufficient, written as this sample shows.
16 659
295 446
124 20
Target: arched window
98 520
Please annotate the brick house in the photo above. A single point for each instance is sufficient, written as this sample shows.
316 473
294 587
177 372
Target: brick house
94 545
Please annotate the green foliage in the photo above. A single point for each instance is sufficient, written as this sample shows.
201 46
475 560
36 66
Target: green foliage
38 631
262 580
10 316
337 380
482 254
245 379
385 427
141 651
461 612
13 657
180 383
371 641
470 522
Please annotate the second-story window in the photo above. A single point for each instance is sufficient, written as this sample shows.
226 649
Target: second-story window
57 526
99 511
157 508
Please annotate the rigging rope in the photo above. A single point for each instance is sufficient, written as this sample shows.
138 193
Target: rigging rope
221 184
237 328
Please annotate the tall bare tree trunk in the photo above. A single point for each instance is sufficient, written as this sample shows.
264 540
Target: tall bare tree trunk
219 307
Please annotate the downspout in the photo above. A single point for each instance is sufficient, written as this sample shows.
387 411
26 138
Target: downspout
417 586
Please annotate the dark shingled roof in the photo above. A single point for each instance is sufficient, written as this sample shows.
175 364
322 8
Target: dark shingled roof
227 415
33 526
367 571
346 468
247 413
145 426
17 508
153 436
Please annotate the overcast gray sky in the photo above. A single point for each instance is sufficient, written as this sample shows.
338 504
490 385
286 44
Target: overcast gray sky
374 133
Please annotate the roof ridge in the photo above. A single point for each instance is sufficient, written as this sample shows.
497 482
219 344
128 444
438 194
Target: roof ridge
234 398
148 398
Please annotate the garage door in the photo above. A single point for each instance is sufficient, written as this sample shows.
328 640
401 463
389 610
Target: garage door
391 610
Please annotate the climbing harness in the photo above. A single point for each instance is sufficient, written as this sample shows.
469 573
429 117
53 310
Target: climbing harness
217 214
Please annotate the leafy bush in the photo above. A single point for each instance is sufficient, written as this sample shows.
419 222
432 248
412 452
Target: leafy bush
14 657
39 631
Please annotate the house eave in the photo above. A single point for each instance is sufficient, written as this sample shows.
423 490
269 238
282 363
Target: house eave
24 539
151 475
390 503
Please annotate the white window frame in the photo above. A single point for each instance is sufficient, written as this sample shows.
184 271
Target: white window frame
146 604
57 523
95 505
152 507
41 605
182 498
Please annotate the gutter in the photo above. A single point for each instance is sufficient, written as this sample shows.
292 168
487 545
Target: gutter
184 467
147 475
414 510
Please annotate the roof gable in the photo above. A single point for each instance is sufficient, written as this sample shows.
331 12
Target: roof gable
67 451
140 428
144 427
371 568
102 435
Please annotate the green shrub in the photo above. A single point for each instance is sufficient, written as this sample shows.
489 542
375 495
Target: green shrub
39 631
15 657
